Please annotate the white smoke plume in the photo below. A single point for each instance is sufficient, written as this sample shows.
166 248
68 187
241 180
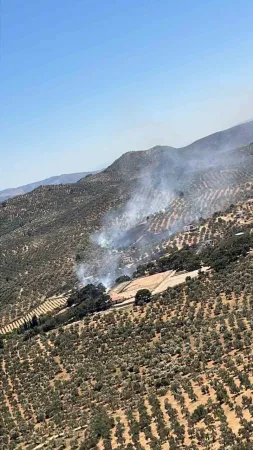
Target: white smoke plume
154 192
107 264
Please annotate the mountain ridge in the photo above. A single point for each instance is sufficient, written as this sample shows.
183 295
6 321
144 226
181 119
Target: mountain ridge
54 180
224 140
228 139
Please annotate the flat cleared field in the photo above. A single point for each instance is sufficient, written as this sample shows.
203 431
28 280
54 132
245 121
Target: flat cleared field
173 280
150 283
155 283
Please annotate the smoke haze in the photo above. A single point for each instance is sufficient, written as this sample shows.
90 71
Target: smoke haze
167 175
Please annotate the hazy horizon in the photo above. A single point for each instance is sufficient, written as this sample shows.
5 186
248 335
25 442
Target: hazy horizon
84 83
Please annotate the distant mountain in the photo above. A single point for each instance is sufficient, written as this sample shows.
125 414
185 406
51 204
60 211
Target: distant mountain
56 180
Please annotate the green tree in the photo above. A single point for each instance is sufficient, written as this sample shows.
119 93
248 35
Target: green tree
101 425
199 413
122 279
142 296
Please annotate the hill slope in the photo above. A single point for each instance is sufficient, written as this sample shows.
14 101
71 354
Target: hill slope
176 373
44 233
231 138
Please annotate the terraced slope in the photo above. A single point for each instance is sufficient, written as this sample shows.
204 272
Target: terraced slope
175 373
44 233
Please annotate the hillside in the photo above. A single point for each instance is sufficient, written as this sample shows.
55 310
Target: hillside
44 234
60 179
176 372
173 373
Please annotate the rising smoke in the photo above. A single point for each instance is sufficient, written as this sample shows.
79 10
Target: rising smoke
118 232
168 175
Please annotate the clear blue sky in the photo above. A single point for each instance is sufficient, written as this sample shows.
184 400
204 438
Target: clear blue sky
84 81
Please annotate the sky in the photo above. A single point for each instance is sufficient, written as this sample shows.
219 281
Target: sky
84 81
